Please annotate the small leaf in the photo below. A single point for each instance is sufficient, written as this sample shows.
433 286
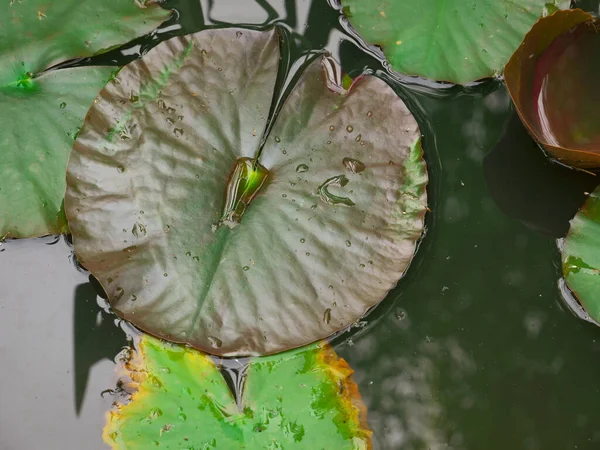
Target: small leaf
41 112
581 256
446 40
296 400
552 79
244 249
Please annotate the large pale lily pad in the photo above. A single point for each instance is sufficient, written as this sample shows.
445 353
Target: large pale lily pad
328 219
304 399
447 40
41 112
581 256
552 79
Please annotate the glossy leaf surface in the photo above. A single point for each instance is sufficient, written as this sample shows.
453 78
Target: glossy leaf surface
445 40
41 112
296 400
581 256
325 236
552 79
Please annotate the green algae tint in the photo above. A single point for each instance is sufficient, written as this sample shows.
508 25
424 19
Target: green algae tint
245 181
303 399
565 94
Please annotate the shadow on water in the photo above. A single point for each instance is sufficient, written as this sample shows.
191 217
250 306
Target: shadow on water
95 338
527 186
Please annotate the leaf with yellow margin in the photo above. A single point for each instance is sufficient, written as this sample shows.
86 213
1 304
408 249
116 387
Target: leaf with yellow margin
301 399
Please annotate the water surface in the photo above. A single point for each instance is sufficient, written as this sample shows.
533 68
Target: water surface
473 350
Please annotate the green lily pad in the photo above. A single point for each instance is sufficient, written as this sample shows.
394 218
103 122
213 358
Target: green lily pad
196 241
552 80
42 111
446 40
581 256
304 399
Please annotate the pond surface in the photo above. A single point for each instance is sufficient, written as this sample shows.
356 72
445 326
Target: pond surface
475 348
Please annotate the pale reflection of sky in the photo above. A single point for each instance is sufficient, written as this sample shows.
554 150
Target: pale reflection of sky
37 399
409 414
252 12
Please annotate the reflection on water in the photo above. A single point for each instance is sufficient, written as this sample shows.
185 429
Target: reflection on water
477 350
527 186
56 350
473 350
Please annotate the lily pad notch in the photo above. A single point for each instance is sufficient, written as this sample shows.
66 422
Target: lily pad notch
318 230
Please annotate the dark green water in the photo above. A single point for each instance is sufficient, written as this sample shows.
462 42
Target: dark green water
473 350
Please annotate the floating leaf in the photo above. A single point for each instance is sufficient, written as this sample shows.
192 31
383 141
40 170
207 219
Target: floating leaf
41 111
552 79
304 399
581 256
196 241
447 40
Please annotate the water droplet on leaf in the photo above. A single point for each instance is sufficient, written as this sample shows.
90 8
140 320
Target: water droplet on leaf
138 229
332 199
215 342
354 165
245 181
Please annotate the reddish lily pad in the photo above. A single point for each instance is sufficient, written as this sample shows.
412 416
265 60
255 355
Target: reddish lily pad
41 111
581 256
197 239
552 79
303 399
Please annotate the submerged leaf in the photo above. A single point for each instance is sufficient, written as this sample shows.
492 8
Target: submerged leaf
581 256
552 79
446 40
244 256
303 399
41 111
